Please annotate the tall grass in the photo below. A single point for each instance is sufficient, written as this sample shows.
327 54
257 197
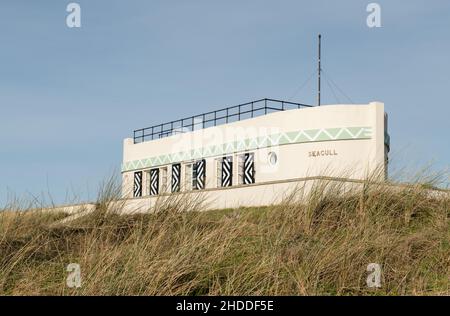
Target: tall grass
318 243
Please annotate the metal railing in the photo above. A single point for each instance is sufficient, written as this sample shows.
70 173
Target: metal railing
214 118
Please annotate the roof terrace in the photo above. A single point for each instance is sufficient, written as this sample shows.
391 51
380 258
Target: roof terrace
214 118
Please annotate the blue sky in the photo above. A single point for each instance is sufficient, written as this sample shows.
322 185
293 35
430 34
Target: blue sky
68 96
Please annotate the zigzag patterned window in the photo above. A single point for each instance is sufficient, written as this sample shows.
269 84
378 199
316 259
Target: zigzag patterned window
247 168
154 181
176 177
227 171
137 188
199 175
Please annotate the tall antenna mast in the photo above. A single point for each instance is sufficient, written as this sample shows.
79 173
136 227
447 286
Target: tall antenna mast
319 70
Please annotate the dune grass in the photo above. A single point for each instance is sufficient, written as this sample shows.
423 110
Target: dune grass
319 244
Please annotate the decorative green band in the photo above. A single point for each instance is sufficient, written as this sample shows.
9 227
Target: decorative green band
302 136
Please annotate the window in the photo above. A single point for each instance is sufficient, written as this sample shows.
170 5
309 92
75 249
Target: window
176 177
249 168
246 172
194 176
227 171
154 181
199 175
137 189
272 158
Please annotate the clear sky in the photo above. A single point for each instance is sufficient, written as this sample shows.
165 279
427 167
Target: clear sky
69 96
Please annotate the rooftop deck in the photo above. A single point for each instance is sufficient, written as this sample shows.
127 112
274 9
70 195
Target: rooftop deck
227 115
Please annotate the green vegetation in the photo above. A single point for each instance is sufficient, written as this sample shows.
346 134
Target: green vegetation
314 244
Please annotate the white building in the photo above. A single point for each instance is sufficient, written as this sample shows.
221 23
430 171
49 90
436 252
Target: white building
252 154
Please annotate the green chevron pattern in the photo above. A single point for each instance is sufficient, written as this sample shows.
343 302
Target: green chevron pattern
302 136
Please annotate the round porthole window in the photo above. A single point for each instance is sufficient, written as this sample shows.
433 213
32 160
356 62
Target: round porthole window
273 158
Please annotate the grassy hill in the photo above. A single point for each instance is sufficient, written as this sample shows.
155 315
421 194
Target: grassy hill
318 244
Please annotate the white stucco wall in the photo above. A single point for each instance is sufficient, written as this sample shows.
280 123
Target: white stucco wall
353 135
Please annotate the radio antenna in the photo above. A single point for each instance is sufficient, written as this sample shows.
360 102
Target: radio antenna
319 70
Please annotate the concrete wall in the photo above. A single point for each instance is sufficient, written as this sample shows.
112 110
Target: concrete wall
260 194
254 195
336 140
